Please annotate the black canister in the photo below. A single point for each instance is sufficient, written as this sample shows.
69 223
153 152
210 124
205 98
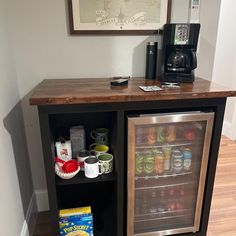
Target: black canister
151 60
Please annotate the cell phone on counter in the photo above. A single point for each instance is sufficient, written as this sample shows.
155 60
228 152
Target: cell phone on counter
119 81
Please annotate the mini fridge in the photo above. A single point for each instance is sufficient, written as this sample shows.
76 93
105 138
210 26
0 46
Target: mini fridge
167 166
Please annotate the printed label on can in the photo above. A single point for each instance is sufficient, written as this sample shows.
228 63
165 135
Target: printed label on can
187 155
139 164
177 165
149 163
187 164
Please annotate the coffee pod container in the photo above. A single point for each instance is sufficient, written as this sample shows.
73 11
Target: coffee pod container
151 60
77 138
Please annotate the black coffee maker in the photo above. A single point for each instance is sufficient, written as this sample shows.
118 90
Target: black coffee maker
179 52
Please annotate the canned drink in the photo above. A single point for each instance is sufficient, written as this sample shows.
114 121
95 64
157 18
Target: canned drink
167 158
162 202
153 201
177 161
170 133
161 134
159 162
151 135
139 164
145 202
180 204
149 163
138 199
140 136
187 156
171 206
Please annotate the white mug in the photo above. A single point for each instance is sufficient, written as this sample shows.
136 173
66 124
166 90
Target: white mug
91 167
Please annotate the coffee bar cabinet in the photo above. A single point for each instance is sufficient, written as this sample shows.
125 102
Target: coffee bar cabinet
165 148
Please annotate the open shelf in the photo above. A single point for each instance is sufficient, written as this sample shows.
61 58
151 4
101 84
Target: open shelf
101 196
176 180
101 192
181 143
165 185
98 233
81 179
61 123
162 215
167 175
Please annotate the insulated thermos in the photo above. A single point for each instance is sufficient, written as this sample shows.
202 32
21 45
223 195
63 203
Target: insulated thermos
151 60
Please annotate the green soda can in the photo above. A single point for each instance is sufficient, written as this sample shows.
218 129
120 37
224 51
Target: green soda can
149 163
161 134
139 164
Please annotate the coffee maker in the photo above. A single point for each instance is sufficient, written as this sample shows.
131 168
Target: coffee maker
179 52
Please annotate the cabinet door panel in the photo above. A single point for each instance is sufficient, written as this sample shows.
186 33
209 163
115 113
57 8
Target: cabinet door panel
167 163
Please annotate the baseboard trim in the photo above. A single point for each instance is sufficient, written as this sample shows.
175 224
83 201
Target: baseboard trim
42 200
30 218
25 230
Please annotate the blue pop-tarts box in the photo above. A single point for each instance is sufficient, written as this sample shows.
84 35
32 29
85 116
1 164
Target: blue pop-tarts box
76 225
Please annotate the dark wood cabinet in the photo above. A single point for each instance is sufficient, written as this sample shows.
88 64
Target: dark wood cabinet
107 194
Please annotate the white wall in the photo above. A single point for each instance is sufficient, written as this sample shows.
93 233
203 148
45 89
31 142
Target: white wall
209 18
10 198
225 62
180 11
17 199
44 49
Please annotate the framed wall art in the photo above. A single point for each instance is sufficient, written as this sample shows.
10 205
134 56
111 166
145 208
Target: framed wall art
117 16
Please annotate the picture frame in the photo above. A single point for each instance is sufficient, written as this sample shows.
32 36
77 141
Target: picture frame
118 17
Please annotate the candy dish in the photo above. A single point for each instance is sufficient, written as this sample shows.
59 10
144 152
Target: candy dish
62 174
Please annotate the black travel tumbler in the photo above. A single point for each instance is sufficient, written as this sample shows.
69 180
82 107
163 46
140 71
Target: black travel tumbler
151 60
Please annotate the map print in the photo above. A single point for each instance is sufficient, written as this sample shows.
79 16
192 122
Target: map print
120 13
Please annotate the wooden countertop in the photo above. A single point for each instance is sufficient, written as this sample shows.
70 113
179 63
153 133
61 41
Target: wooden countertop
80 91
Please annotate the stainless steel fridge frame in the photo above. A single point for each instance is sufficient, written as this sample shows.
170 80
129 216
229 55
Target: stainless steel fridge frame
149 119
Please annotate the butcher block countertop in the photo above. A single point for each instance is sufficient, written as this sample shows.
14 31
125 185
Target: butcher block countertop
99 90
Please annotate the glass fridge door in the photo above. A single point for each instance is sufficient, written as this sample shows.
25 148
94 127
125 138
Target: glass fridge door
167 164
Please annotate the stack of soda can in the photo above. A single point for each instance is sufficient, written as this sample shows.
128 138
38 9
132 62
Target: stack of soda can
165 160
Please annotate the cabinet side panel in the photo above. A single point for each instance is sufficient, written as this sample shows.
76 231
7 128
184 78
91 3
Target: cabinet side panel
120 172
211 170
47 143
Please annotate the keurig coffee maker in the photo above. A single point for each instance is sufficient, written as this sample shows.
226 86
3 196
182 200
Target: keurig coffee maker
179 52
